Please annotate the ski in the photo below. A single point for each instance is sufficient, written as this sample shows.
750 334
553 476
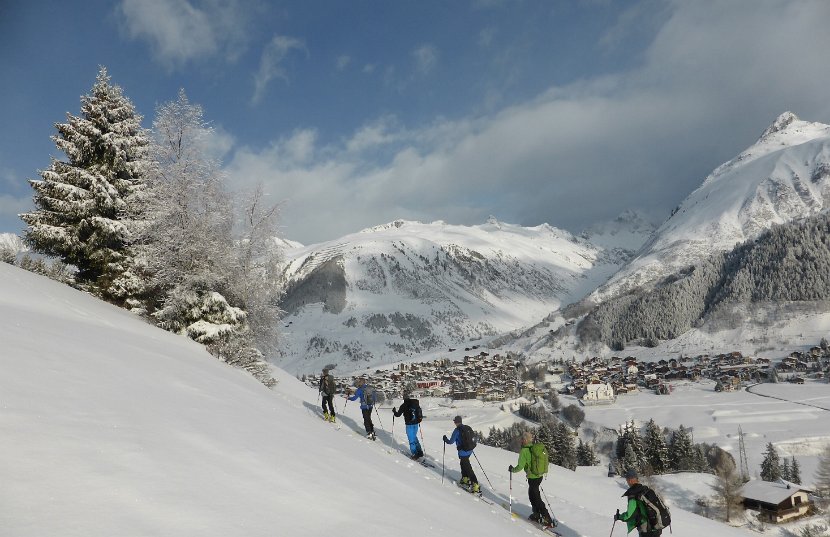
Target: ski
478 496
546 529
422 460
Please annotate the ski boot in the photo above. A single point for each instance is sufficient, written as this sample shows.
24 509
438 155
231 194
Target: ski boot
476 488
326 416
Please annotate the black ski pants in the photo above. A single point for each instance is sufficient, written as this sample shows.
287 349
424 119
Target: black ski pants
327 400
467 469
367 420
539 507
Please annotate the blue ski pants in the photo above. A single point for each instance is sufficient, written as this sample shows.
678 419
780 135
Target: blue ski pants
412 435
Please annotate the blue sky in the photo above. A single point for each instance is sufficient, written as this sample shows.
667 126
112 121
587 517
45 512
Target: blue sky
355 113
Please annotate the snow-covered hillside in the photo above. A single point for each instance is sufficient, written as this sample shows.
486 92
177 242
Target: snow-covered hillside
404 288
785 175
110 426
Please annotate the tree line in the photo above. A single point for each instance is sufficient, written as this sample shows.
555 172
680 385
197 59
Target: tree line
143 219
785 263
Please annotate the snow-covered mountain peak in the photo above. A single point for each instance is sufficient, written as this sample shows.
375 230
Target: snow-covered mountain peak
783 176
628 231
405 287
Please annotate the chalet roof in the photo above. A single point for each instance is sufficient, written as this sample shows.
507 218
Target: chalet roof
770 492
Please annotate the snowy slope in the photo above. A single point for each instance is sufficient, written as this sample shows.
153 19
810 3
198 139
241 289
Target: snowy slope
405 288
785 175
112 427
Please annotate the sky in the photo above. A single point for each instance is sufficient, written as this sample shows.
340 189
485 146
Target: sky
353 114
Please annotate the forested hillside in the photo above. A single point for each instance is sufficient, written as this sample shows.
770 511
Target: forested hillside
790 262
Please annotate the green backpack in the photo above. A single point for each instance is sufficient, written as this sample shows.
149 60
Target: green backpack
538 459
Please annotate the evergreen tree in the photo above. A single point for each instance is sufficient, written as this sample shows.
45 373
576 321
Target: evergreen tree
681 451
629 460
545 435
86 206
785 470
585 455
822 479
656 451
564 444
771 465
795 472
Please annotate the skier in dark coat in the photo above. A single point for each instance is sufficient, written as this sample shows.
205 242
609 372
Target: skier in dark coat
636 515
327 388
411 412
468 477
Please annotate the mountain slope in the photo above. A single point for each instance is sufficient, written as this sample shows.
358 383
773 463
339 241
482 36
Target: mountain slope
113 427
406 287
785 175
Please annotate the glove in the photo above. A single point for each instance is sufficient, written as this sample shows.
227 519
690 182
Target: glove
617 515
446 440
510 468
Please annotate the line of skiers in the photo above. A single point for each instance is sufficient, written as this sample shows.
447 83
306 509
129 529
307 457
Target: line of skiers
645 510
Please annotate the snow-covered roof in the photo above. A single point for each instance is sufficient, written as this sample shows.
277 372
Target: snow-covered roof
770 492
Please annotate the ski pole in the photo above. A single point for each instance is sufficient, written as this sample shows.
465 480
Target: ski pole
393 425
483 472
379 420
442 462
345 403
615 522
549 504
423 444
511 494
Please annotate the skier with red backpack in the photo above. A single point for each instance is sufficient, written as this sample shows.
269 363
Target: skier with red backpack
464 439
533 459
412 414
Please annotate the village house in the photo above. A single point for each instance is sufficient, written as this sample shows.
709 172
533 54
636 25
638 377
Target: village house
776 501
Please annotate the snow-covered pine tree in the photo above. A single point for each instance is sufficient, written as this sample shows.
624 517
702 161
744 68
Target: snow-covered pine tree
771 465
86 206
681 451
564 444
585 455
629 460
545 435
822 475
785 470
656 451
795 472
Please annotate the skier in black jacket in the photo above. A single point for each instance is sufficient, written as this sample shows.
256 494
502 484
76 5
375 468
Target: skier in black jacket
412 415
327 388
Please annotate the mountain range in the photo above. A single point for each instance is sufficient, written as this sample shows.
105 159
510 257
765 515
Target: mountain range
406 288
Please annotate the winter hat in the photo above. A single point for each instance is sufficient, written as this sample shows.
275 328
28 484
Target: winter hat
457 420
631 473
325 371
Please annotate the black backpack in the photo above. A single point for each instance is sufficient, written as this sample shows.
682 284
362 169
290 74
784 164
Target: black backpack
468 438
657 513
416 415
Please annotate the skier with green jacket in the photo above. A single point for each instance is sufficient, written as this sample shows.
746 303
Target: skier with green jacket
534 481
636 515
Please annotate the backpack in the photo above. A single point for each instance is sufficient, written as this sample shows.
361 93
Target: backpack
538 459
368 396
468 438
657 513
416 415
328 385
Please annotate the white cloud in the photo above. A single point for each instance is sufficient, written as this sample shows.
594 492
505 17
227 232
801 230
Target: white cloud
182 31
426 58
343 61
271 64
11 206
369 68
713 78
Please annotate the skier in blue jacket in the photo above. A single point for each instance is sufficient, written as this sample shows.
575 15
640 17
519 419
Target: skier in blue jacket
364 393
468 478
